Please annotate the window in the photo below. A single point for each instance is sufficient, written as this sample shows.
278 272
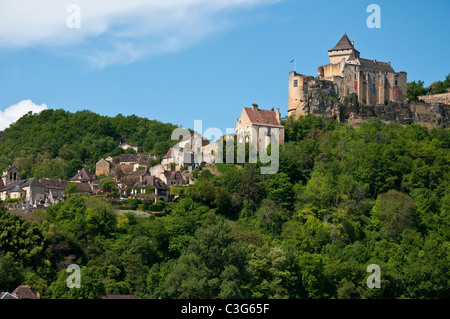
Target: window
295 83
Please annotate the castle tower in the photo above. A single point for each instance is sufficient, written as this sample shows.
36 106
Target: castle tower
344 49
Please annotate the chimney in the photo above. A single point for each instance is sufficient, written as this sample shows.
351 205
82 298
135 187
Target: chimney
254 107
353 43
277 112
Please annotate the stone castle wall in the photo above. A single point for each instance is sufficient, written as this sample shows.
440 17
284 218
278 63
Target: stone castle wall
443 98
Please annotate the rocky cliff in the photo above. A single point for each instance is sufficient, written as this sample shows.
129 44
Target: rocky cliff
322 98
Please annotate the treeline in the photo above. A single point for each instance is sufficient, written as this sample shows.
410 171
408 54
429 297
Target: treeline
416 89
344 198
57 143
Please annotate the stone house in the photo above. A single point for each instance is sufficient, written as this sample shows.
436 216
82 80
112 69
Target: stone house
104 167
125 146
256 126
151 185
87 181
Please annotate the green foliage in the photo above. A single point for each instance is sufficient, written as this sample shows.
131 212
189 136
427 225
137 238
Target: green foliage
344 198
415 89
71 188
57 143
212 266
393 211
20 239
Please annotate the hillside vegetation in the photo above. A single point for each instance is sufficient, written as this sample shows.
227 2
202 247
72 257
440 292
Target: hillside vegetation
344 198
57 143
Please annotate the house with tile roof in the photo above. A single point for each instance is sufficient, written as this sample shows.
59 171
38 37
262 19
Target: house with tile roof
24 292
257 126
147 185
87 181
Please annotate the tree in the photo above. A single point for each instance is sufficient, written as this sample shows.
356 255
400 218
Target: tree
271 216
251 189
21 240
107 185
212 266
280 190
91 285
11 274
394 212
415 89
71 188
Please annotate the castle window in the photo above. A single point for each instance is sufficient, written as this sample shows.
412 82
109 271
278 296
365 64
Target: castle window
395 82
295 83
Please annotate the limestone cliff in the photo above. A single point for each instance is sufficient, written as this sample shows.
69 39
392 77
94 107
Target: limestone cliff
322 98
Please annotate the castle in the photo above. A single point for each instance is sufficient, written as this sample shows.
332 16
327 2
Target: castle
374 82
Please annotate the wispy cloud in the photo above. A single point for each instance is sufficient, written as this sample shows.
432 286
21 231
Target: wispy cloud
16 111
116 31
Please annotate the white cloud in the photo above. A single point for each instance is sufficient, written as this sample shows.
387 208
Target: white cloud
116 31
16 111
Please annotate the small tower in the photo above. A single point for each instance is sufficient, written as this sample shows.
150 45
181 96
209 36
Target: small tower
344 49
10 174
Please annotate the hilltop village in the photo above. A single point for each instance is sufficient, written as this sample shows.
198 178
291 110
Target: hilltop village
348 88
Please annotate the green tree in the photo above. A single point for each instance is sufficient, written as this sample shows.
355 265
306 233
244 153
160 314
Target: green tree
21 240
71 188
11 274
212 266
393 211
415 89
91 285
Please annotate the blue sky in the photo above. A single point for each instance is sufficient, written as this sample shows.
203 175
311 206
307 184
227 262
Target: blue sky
179 61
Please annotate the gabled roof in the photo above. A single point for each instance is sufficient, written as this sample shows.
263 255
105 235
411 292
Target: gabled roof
129 158
152 181
18 185
31 182
16 189
53 183
343 44
83 175
169 153
174 175
104 160
262 117
10 167
7 295
24 292
86 188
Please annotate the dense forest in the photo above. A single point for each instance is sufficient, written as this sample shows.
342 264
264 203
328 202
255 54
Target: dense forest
57 143
343 198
